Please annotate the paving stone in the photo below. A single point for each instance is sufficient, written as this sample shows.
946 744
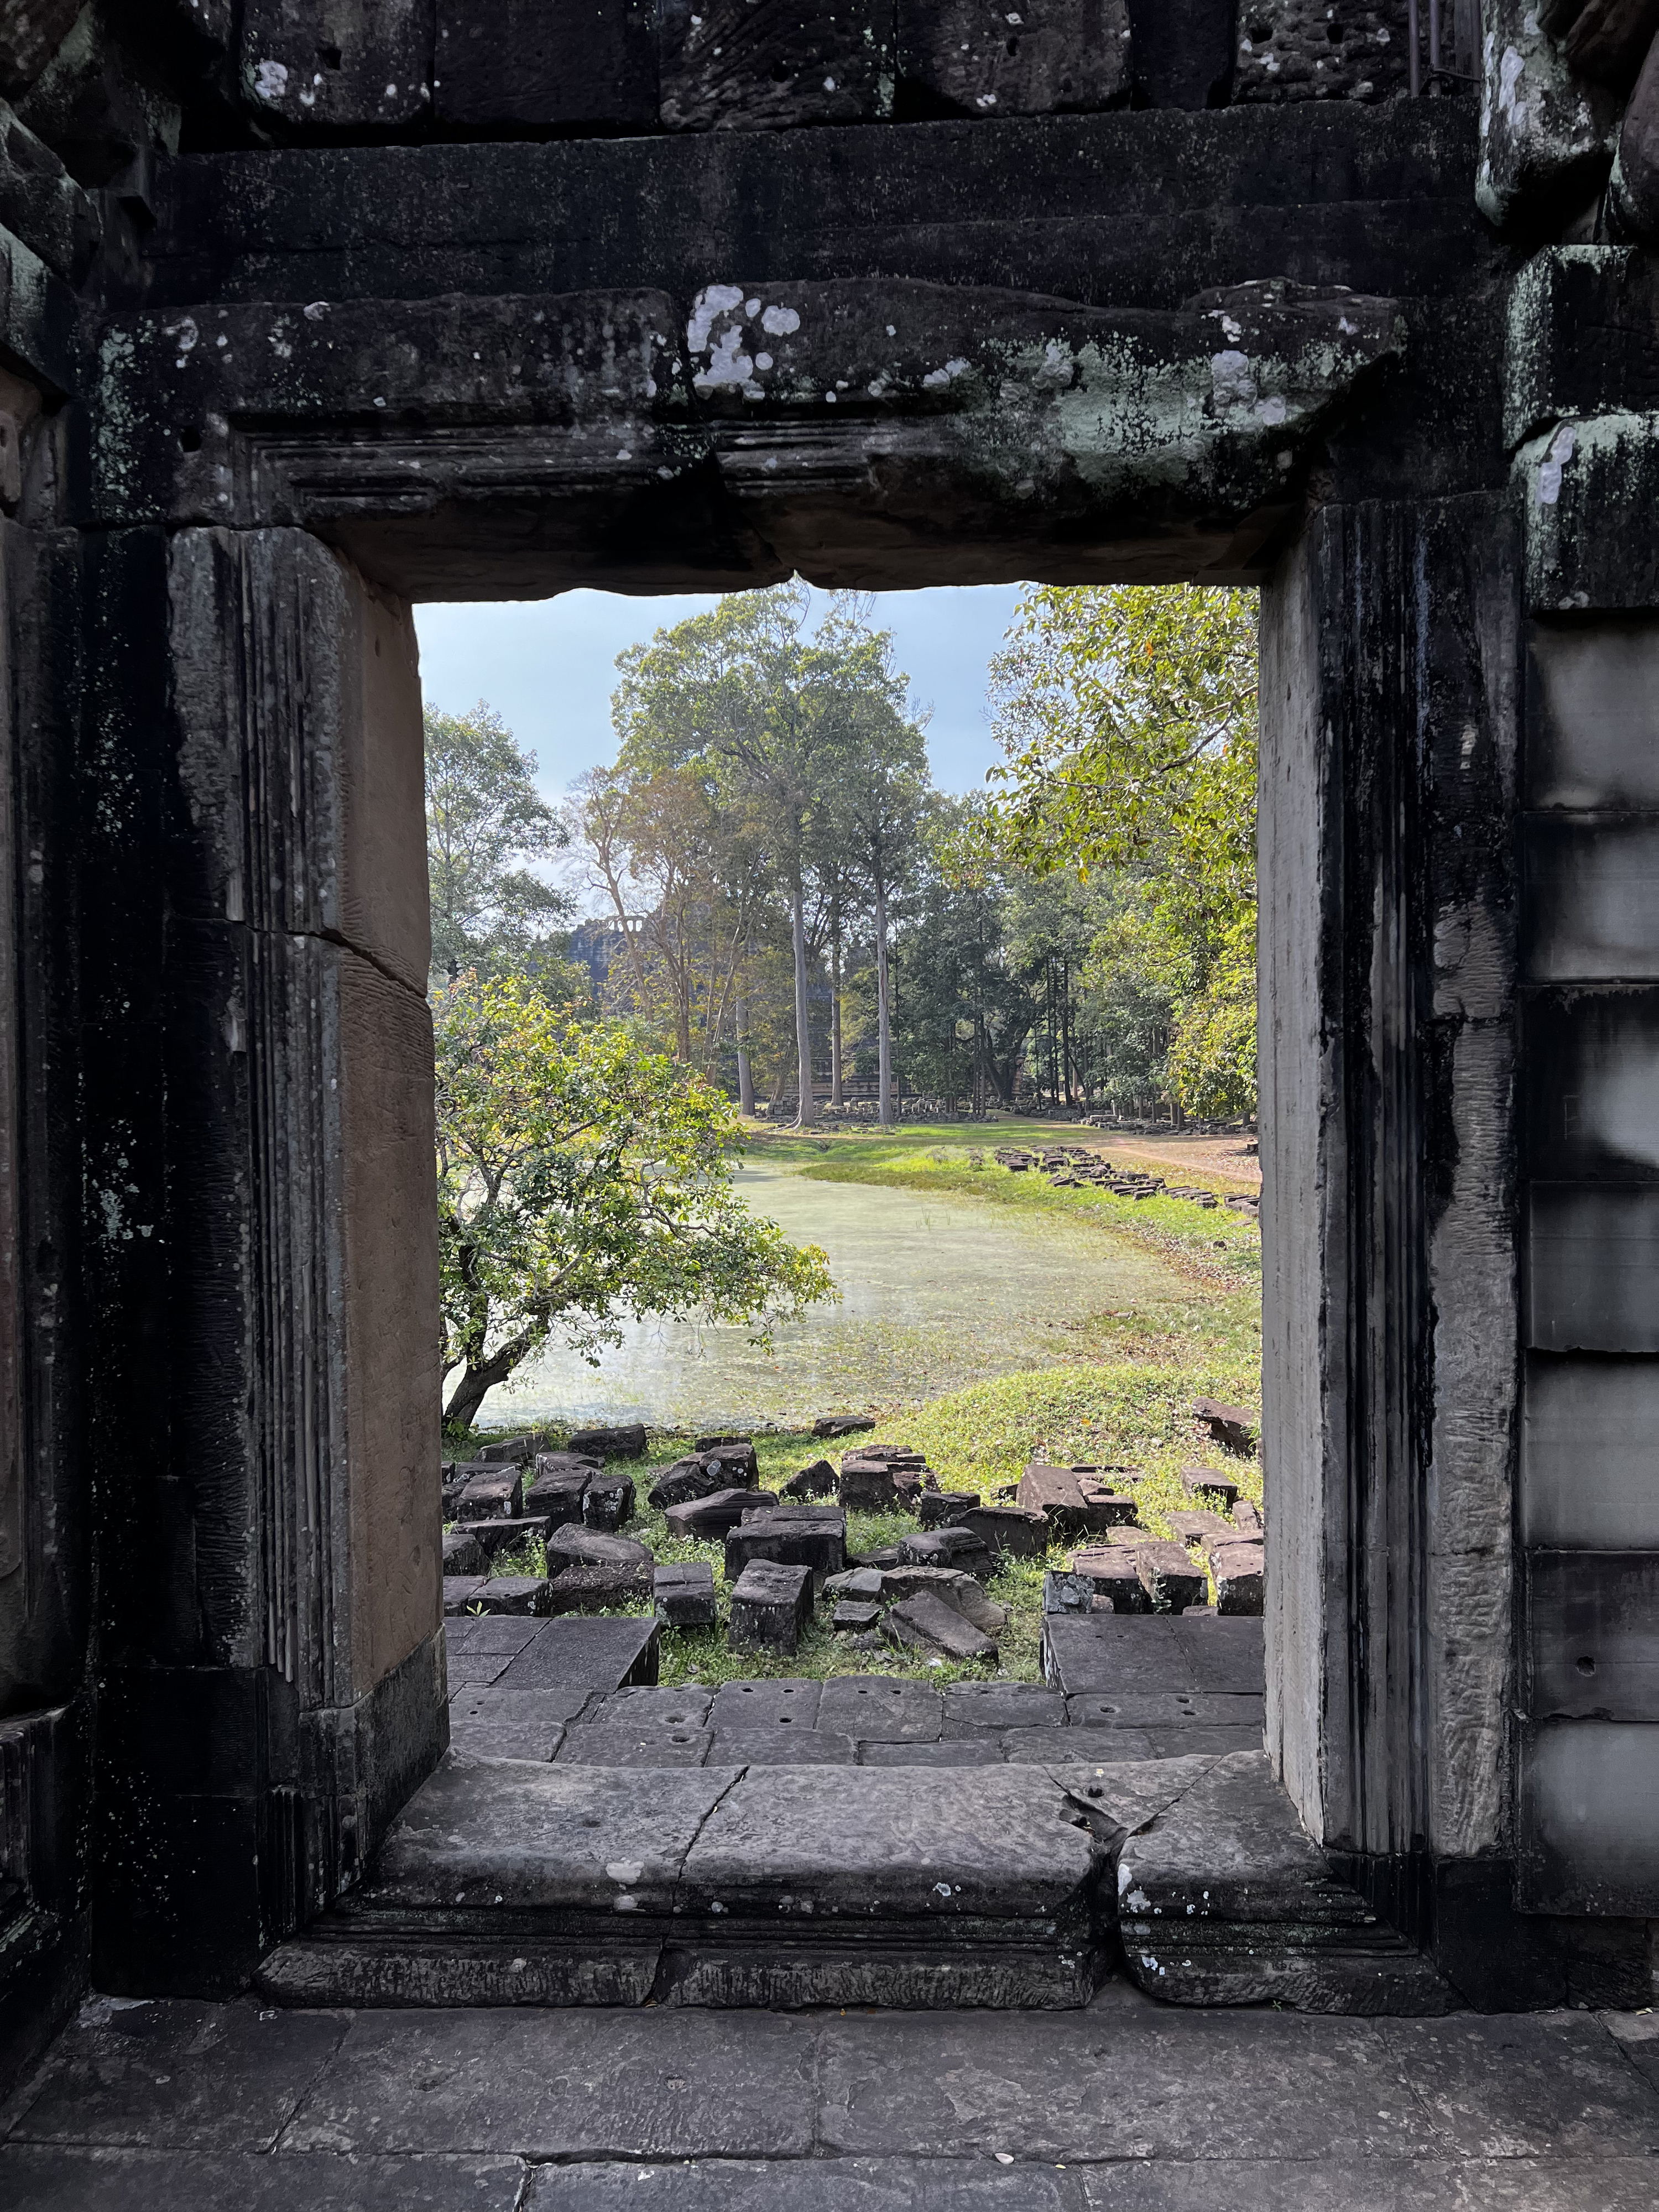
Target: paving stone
978 1708
507 1741
483 1635
557 1494
1010 1528
840 2185
1637 2034
535 1718
629 2084
710 1518
585 1656
851 1614
176 2072
779 1747
34 2179
595 1547
1101 1709
1526 2085
1223 1654
1239 1571
626 1442
926 1624
816 1480
963 1751
600 1589
959 1548
879 1707
1160 1654
1340 2185
495 1492
656 1707
939 1508
770 1606
608 1502
747 1705
461 1591
648 1743
685 1592
810 1536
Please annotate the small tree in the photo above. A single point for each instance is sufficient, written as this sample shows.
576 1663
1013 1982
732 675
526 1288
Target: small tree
581 1180
485 823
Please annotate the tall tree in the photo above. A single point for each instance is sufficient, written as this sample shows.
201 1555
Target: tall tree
487 827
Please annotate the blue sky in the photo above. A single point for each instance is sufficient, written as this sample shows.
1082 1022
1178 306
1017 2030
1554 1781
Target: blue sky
546 665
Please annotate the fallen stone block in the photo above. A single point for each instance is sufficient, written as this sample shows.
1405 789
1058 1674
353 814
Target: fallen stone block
926 1624
883 1557
564 1462
1011 1529
1234 1426
959 1548
596 1547
841 1424
866 1583
718 1443
514 1594
988 1708
880 1707
600 1589
608 1502
1239 1570
557 1495
1074 1500
874 1488
687 1479
491 1494
684 1593
615 1744
942 1509
494 1537
1111 1573
771 1605
1247 1518
810 1536
855 1615
1199 1528
816 1480
711 1518
961 1591
1210 1482
461 1592
463 1554
1170 1578
510 1451
625 1442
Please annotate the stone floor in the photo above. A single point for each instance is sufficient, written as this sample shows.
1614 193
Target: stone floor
1127 2107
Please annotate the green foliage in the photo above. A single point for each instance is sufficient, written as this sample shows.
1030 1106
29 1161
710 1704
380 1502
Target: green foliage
485 823
1127 716
582 1179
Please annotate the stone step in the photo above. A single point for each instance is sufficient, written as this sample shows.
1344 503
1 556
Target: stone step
908 1885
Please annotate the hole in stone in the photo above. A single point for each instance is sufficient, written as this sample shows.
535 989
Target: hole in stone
329 56
1334 33
1586 1665
190 441
781 73
1014 45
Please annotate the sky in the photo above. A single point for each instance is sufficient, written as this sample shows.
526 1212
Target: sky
547 667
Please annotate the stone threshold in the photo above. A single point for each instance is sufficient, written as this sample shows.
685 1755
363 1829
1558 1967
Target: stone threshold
510 1881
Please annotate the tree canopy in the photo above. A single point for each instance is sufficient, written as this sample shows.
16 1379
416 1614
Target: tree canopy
486 827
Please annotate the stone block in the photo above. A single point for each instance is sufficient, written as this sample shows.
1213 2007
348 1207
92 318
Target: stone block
872 1486
461 1592
985 1708
565 1462
816 1480
961 1591
595 1547
463 1554
1011 1529
1064 1591
961 1751
573 1655
1074 1501
685 1594
557 1495
522 1593
771 1605
1210 1482
781 1747
615 1744
859 1582
1247 1519
1238 1569
600 1589
716 1442
653 1706
1158 1655
879 1708
810 1536
498 1492
339 64
1199 1528
1169 1576
608 1502
958 1548
926 1624
854 1615
731 1461
709 1519
1233 1426
626 1440
508 1451
485 1722
942 1509
551 65
974 57
767 64
1162 1711
779 1703
701 1474
493 1537
1110 1571
841 1424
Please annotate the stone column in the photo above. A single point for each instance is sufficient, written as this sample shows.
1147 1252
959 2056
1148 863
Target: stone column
263 1184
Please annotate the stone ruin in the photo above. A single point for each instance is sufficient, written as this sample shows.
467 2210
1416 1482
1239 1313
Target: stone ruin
313 312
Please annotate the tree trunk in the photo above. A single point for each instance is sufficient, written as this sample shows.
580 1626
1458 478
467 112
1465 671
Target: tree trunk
836 1098
745 1073
803 1033
884 1014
